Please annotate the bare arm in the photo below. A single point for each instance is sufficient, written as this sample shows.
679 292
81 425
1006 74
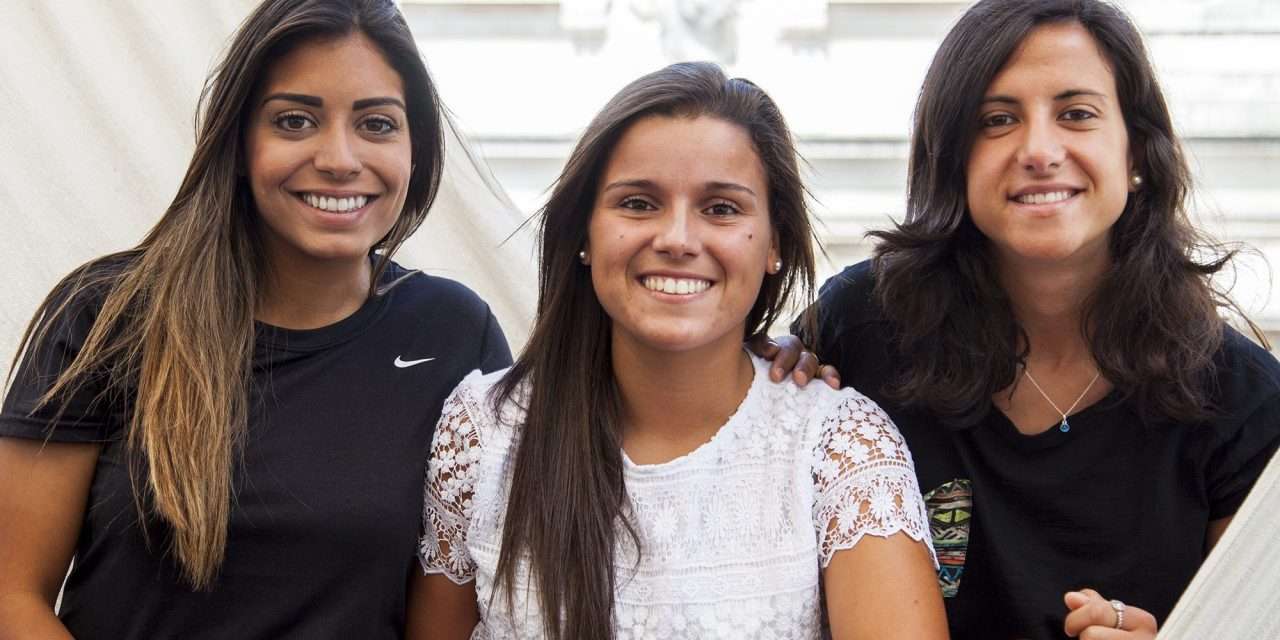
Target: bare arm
1216 529
43 491
884 588
440 609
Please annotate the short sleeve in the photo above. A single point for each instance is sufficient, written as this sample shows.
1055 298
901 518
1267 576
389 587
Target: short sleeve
864 480
1240 459
452 473
86 414
494 352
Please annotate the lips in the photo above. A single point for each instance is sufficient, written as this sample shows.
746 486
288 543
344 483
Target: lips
335 204
1049 197
1044 193
675 286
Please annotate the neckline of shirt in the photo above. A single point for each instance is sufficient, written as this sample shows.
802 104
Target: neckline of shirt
1081 422
282 339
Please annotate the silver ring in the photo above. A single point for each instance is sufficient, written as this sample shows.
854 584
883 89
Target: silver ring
1118 607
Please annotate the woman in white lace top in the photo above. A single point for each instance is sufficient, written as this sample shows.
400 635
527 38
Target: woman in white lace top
636 474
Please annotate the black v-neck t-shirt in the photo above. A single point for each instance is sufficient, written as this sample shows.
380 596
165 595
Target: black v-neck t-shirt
1110 504
324 529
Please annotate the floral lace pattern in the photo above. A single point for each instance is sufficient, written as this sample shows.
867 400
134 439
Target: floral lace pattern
866 483
453 469
733 534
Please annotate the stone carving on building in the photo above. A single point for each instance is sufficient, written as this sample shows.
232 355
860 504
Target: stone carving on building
694 29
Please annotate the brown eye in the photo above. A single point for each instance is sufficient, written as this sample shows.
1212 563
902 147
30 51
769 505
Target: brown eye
997 120
722 209
636 204
293 122
1077 115
380 126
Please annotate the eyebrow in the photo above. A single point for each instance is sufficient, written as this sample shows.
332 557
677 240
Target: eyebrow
318 102
729 186
302 98
1065 95
367 103
714 185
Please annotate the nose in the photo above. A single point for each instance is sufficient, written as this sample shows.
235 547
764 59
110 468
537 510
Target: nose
1042 150
337 156
677 235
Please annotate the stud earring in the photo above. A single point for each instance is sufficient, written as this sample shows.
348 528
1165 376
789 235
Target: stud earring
777 266
582 255
1135 180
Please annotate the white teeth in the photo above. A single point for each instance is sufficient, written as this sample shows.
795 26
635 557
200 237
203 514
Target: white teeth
1043 198
676 286
335 205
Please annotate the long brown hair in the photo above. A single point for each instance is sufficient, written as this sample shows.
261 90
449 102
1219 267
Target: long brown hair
1152 324
567 495
175 332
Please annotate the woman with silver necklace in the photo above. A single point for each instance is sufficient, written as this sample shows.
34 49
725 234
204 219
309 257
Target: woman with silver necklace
1046 241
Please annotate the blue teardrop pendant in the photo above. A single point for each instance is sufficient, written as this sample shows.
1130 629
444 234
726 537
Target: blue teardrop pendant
1064 427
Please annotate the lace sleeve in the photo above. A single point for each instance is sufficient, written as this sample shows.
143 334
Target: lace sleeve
864 480
451 479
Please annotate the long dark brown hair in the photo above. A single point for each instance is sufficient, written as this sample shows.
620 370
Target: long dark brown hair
567 494
1152 324
174 335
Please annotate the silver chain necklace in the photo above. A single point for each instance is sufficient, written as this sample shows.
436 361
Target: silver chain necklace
1065 426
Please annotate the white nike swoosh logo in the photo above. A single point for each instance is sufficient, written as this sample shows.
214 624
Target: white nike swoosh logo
401 364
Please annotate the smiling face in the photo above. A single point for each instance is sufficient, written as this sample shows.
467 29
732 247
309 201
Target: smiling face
680 238
1048 174
328 151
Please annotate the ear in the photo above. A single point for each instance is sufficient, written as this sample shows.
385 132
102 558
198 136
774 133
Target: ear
1134 176
774 260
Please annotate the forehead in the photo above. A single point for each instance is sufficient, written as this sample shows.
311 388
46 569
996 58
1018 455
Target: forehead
1054 57
350 64
679 147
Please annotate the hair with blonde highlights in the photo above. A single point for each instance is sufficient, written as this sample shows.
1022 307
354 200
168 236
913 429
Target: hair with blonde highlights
175 332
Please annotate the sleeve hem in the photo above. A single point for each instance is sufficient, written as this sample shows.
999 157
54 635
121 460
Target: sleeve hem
844 545
28 429
437 571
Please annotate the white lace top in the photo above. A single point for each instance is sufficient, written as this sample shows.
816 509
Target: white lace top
733 533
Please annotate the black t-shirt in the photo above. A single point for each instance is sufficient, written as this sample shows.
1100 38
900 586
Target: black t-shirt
1111 504
323 532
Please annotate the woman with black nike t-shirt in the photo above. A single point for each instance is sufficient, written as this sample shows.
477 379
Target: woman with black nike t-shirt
1043 329
227 424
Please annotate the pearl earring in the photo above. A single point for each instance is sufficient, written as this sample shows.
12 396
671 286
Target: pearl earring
582 255
1135 180
777 266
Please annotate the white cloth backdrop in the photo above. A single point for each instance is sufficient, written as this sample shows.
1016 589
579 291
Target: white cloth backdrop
97 104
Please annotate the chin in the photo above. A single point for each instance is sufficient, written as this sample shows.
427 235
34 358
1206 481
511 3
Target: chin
676 339
1051 249
338 251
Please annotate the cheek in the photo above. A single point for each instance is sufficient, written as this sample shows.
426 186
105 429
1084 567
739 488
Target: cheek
396 166
748 250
